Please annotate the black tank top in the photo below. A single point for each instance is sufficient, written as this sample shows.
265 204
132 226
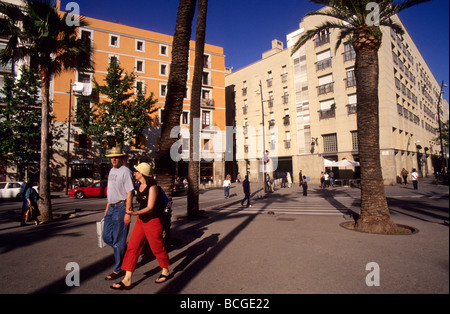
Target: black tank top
142 199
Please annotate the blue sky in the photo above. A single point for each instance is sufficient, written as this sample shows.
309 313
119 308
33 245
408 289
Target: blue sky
245 28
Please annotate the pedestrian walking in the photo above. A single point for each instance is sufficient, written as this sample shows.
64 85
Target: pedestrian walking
120 199
148 226
300 177
226 186
322 180
238 178
283 180
305 186
404 174
415 178
247 191
30 203
331 174
288 179
327 179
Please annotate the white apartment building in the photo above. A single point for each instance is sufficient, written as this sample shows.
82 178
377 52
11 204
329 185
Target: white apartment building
322 101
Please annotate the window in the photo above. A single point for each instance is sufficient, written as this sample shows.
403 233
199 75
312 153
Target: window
269 79
326 84
350 81
351 106
206 80
287 141
163 69
349 53
284 74
162 90
206 144
322 38
163 50
140 66
82 141
140 45
113 57
206 61
185 117
114 41
330 143
86 36
323 60
140 86
206 119
354 140
138 142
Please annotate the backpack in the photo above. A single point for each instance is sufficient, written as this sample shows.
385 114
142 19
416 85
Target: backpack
165 215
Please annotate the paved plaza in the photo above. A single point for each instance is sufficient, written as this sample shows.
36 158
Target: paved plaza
284 244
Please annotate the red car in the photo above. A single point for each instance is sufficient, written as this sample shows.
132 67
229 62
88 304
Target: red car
98 189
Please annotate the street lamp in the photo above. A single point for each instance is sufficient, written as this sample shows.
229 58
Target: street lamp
264 138
68 138
440 129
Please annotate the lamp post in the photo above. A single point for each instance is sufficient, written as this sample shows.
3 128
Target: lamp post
264 138
440 129
68 139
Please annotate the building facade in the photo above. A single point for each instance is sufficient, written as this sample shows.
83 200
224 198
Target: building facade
322 104
148 55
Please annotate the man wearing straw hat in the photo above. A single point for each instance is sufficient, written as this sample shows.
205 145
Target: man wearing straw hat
120 199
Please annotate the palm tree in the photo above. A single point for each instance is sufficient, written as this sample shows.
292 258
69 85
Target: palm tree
176 92
362 29
39 35
194 166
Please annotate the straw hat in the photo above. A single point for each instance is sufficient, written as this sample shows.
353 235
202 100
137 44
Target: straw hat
116 152
144 168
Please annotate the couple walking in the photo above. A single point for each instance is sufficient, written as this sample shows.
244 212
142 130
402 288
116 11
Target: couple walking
118 212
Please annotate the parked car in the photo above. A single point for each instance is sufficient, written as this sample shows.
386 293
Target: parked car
178 188
13 189
98 189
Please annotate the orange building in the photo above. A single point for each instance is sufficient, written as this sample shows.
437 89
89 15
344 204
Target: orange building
148 55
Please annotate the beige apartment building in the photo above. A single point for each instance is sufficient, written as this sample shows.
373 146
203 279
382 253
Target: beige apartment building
263 98
321 105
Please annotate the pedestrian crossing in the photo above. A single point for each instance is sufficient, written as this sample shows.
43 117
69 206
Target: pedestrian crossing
293 207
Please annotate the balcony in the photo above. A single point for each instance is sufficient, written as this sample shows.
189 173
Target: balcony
351 109
322 40
350 82
287 144
207 103
349 55
325 88
327 114
323 64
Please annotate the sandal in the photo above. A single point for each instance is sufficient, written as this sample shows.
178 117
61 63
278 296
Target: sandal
114 275
165 277
121 286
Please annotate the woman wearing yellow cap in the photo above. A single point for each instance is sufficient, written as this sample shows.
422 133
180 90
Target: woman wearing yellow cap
148 226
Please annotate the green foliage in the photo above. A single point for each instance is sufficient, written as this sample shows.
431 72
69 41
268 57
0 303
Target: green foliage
444 135
20 119
123 115
350 15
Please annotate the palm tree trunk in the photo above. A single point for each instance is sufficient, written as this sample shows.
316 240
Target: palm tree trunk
194 159
45 205
374 217
176 90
